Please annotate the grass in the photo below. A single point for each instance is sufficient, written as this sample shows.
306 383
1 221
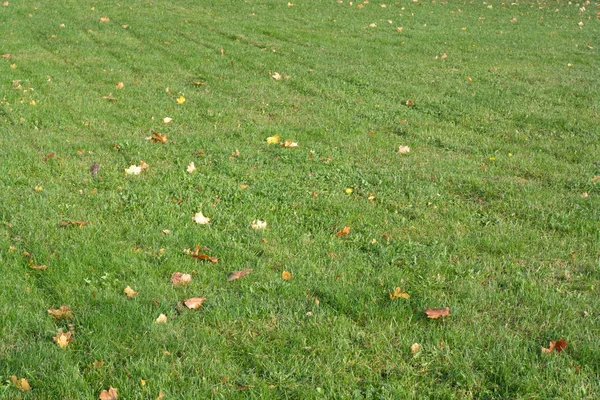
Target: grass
493 213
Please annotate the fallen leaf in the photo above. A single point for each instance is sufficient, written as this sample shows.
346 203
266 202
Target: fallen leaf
130 292
435 313
104 19
98 364
349 190
94 168
6 56
469 79
191 168
258 224
180 279
162 319
415 348
194 303
37 267
161 395
275 75
559 346
403 149
38 188
206 257
238 274
73 223
399 294
273 139
289 143
514 19
20 384
373 25
167 120
180 100
158 138
63 339
133 170
410 103
49 156
286 276
400 29
109 97
199 218
443 56
120 85
143 382
63 312
143 165
596 178
343 232
110 394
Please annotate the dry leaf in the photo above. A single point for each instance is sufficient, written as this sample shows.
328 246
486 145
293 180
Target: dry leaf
273 139
63 312
286 276
158 137
38 267
120 85
596 178
399 294
180 100
143 165
49 156
98 364
258 224
109 97
206 257
161 395
73 223
133 170
191 168
435 313
289 143
403 149
238 274
275 75
410 103
415 348
130 292
94 168
199 218
110 394
104 19
63 339
343 232
559 346
38 188
180 279
167 120
194 303
6 57
162 319
20 384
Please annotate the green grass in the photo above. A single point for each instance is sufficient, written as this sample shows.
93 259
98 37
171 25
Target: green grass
484 215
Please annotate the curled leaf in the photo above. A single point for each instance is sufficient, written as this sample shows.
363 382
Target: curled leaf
399 294
559 346
206 257
158 137
435 313
343 232
130 292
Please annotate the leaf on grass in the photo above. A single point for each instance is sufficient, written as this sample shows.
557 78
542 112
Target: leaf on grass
180 100
415 348
6 56
73 223
130 292
289 143
191 168
275 75
110 394
134 170
20 384
410 103
286 276
435 313
109 97
273 139
399 294
238 274
162 319
49 156
38 188
94 168
199 218
63 312
206 257
403 149
167 120
559 346
194 303
596 178
180 279
32 265
104 19
258 224
120 85
161 395
63 339
343 232
157 137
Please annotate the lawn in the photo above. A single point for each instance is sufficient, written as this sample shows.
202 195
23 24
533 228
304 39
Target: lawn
494 212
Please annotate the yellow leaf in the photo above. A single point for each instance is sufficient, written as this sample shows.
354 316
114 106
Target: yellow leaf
180 100
38 188
273 139
120 85
286 276
20 384
415 348
162 319
399 294
104 19
63 339
258 224
130 292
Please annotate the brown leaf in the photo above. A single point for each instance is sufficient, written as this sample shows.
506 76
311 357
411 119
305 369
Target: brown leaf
72 223
130 292
49 156
180 279
63 339
20 384
158 138
111 98
289 143
64 312
559 346
410 103
286 276
32 265
161 395
6 56
206 257
343 232
435 313
104 19
120 85
194 303
94 168
110 394
399 294
238 274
